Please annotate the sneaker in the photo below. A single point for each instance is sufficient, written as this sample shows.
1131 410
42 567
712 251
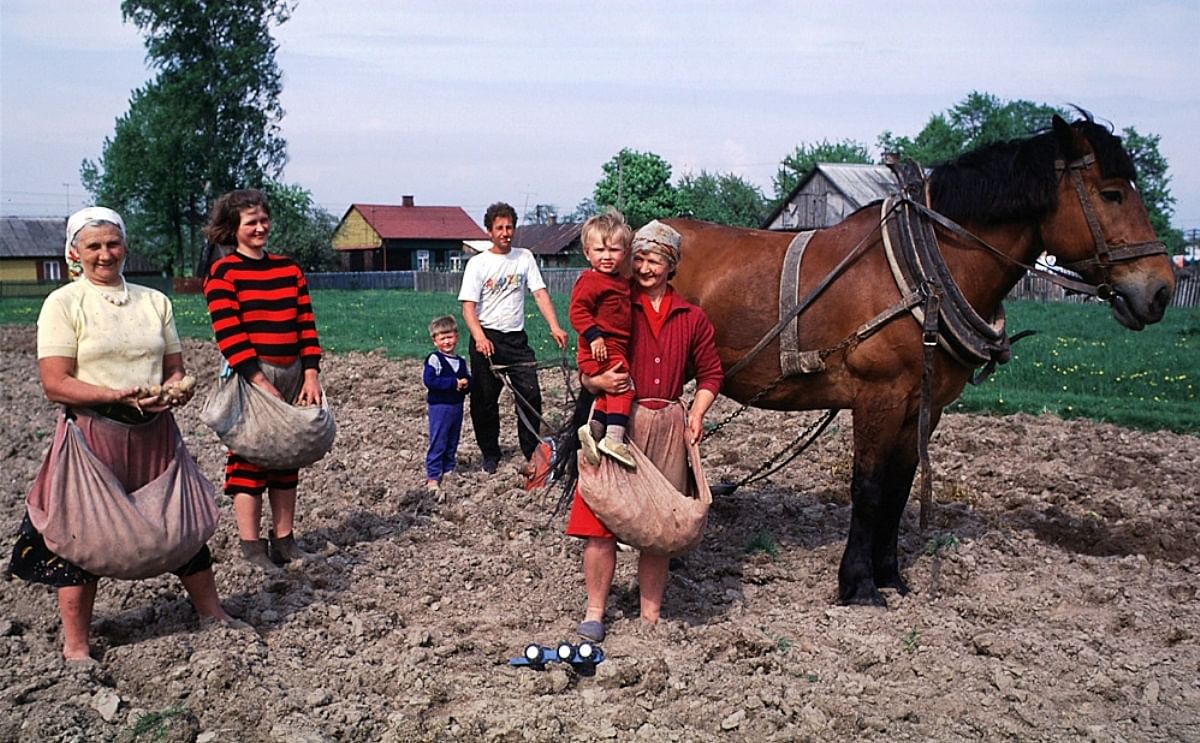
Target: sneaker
490 465
618 451
431 485
587 444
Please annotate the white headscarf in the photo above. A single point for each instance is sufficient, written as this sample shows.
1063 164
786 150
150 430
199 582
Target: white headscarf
77 222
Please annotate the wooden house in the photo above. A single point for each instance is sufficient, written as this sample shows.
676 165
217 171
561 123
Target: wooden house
830 193
31 252
554 245
387 237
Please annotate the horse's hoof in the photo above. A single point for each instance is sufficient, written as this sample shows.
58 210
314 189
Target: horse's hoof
863 597
895 582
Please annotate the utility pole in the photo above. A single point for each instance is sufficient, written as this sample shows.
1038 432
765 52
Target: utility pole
68 187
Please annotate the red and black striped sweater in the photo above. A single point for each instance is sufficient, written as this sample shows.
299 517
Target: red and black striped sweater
261 310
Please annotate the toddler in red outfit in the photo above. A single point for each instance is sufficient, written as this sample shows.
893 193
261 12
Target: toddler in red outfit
600 313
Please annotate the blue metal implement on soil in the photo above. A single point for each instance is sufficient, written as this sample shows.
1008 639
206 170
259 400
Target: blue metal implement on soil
582 657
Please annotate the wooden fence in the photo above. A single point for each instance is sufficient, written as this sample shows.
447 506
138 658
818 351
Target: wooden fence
1032 286
558 280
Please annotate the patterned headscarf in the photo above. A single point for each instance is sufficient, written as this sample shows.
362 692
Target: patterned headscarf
79 220
657 237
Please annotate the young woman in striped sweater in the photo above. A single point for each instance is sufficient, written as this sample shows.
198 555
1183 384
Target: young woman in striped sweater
263 321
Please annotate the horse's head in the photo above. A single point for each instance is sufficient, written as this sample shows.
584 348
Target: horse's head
1099 227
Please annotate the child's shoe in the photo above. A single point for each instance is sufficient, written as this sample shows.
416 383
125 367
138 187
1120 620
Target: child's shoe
618 451
587 444
432 485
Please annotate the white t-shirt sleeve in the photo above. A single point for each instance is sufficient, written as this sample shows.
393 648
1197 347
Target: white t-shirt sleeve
57 334
472 283
533 275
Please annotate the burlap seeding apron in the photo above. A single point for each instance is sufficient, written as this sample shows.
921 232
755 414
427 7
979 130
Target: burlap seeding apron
662 506
265 430
121 500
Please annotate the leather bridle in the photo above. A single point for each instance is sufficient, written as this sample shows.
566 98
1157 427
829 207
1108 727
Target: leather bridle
1106 255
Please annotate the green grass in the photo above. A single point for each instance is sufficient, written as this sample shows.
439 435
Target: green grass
1082 364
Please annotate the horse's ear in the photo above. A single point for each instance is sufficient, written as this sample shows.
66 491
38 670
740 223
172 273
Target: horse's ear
1072 143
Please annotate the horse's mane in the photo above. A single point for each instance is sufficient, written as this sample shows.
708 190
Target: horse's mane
1015 180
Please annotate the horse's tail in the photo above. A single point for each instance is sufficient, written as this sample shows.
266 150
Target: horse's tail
565 467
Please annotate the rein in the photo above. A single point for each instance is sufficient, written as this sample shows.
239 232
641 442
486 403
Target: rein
524 408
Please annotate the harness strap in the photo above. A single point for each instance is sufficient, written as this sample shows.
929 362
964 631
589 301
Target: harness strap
1078 287
929 344
803 304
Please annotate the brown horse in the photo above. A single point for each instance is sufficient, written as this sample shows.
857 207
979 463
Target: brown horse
1068 191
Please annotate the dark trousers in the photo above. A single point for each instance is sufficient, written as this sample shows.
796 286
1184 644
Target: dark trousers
445 425
509 348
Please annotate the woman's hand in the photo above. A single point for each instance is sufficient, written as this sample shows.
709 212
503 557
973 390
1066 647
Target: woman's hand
695 428
310 391
260 381
614 381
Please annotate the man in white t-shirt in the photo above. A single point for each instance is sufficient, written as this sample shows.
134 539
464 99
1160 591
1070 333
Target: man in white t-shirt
493 302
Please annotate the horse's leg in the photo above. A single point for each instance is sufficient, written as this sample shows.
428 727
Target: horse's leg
877 425
901 469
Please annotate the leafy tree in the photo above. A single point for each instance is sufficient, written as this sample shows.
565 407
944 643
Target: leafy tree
207 123
805 157
639 185
1153 185
584 209
723 198
300 228
542 214
981 119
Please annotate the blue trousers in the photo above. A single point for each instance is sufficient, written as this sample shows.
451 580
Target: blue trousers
445 425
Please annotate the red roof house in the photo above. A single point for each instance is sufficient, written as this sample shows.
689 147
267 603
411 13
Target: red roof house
387 237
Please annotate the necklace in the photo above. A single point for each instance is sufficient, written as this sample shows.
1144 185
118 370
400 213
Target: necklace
117 298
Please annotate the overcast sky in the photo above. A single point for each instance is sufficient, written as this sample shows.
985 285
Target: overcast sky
465 103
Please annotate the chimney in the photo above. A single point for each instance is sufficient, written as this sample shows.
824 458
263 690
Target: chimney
407 200
551 219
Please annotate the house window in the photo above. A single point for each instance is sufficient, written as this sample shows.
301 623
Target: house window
422 260
51 271
457 260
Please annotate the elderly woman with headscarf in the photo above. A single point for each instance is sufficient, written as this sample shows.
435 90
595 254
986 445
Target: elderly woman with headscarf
102 343
671 342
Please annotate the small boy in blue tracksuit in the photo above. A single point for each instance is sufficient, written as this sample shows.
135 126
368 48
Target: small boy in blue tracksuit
447 379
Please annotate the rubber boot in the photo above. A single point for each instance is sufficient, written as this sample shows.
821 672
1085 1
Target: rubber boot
254 551
286 549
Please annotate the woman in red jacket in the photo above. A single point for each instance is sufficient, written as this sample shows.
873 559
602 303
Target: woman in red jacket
670 338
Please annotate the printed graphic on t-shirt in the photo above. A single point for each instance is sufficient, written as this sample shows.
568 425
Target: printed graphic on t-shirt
502 283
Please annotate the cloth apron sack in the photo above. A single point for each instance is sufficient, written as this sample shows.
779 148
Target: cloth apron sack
660 508
265 430
86 516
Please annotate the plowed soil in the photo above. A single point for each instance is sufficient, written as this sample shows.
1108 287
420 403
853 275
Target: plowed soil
1056 596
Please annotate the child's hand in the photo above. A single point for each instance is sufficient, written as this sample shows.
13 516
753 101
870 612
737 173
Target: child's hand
599 350
462 385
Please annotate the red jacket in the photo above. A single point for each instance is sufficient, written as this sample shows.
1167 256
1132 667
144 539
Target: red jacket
684 349
600 309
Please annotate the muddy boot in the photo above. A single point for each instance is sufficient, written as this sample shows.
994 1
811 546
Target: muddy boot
254 551
286 549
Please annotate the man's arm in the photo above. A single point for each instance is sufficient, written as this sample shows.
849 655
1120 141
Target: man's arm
542 298
471 320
